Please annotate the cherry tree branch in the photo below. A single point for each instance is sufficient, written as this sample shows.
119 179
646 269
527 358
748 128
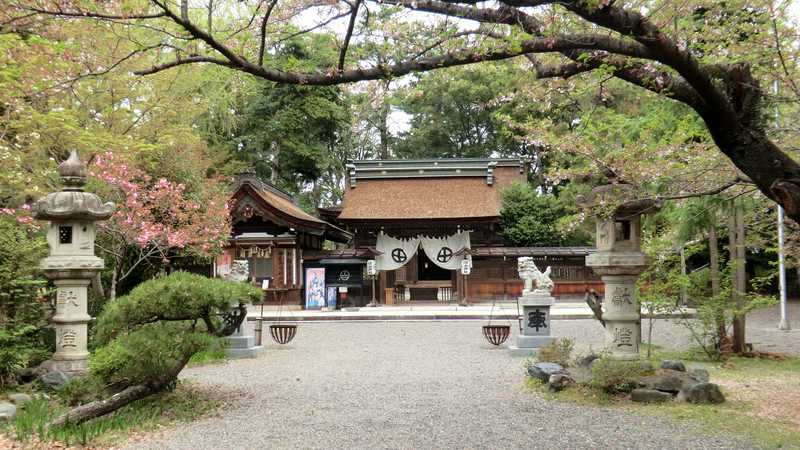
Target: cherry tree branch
263 33
348 35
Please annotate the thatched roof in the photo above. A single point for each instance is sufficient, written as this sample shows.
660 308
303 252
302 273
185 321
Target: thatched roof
472 192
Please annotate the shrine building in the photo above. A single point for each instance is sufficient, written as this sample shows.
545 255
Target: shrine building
420 220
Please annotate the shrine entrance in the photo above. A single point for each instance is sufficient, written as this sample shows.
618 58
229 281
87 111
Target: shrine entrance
428 271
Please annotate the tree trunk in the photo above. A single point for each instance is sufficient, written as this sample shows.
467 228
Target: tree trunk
684 295
273 165
713 270
210 15
112 288
736 249
97 285
128 395
384 123
99 408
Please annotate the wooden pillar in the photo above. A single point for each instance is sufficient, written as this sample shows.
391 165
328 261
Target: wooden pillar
381 287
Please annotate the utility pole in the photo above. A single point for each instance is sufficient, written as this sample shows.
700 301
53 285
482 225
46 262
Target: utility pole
784 323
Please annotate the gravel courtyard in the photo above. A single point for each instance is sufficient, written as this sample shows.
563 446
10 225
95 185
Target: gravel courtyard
410 385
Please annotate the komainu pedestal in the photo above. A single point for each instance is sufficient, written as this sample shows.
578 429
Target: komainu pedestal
534 305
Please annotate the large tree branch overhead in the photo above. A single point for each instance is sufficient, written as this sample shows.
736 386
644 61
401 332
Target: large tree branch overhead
621 42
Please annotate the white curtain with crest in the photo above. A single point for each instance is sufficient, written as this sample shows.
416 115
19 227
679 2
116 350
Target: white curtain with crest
395 252
442 251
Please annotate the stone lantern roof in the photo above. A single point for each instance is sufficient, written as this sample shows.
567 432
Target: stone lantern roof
621 200
71 202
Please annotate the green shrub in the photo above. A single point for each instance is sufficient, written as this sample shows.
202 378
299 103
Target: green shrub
145 354
614 376
559 351
24 339
82 390
181 296
162 322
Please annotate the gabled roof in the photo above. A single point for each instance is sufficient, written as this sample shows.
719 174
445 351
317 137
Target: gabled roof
255 197
438 189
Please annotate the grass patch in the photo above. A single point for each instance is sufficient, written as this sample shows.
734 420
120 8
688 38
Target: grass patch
729 418
579 394
185 403
214 354
761 398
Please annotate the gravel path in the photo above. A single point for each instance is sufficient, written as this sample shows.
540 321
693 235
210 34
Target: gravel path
408 385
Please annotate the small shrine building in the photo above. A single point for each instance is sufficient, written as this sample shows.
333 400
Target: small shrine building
272 234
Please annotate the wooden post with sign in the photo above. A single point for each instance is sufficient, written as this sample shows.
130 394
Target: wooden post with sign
466 268
372 271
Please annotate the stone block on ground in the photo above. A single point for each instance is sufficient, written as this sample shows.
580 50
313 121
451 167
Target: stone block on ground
701 375
667 380
542 370
559 381
673 365
650 396
7 411
702 393
54 380
19 398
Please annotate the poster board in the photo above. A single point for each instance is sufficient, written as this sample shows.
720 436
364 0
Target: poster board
331 297
223 264
315 287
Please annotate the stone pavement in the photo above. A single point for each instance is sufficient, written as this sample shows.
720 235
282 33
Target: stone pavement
413 385
427 311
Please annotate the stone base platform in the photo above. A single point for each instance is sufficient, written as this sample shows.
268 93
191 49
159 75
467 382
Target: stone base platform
521 352
242 347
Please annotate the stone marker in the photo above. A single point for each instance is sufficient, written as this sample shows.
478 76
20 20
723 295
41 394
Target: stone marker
72 263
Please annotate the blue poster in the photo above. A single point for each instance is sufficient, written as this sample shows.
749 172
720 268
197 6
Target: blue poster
315 288
331 297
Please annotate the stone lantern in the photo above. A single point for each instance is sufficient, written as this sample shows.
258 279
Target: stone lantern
72 263
619 261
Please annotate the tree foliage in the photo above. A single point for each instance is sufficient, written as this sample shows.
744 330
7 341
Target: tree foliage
144 339
533 219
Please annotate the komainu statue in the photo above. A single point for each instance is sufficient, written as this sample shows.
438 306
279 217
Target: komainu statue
240 270
529 274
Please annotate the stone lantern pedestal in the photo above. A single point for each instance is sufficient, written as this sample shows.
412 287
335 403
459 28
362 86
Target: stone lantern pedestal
71 263
619 261
242 343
